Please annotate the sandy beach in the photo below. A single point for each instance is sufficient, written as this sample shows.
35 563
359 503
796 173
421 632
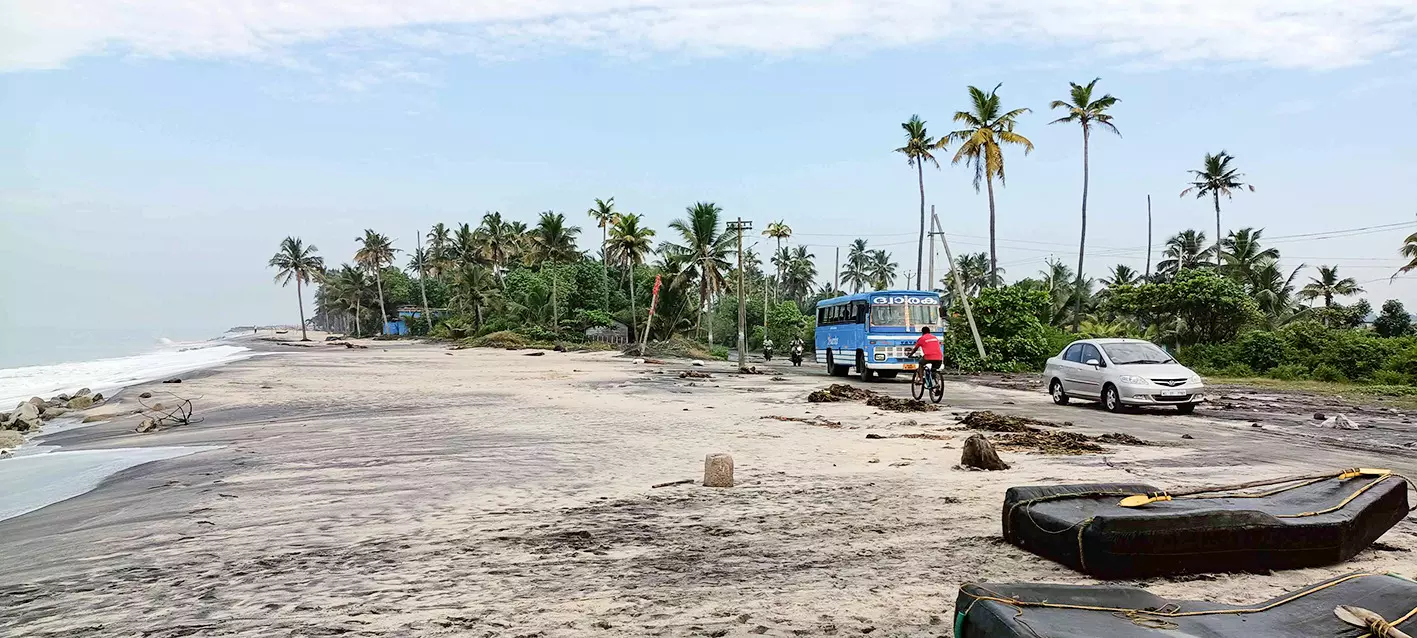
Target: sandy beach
407 489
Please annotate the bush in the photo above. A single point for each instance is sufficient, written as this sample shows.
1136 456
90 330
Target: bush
1289 372
1236 370
1393 321
1212 356
502 339
1326 372
1391 377
1260 350
1014 338
1355 354
1058 339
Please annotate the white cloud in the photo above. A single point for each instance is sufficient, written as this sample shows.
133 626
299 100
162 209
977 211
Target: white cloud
1317 34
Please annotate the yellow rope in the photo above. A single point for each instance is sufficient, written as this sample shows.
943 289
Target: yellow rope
1259 494
1342 504
1013 602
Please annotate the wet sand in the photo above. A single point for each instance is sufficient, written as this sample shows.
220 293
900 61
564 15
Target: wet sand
409 490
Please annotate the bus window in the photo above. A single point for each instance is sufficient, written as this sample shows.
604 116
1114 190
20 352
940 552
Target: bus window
888 315
905 315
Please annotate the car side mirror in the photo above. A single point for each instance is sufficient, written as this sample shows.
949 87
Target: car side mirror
1094 363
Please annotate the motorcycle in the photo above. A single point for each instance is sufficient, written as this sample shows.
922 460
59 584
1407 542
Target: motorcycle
767 353
796 355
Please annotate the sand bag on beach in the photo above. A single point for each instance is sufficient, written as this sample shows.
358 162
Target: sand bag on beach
1301 523
1074 611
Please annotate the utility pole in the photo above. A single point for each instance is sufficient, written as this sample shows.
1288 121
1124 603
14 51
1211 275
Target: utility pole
836 273
907 282
739 226
932 254
421 289
1148 237
959 286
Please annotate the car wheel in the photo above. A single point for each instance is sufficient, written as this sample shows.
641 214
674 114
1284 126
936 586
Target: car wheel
1056 389
1111 399
1186 408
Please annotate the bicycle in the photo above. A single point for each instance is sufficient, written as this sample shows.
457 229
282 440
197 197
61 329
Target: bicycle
920 383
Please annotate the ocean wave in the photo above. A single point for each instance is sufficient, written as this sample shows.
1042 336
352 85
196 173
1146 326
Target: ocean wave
109 375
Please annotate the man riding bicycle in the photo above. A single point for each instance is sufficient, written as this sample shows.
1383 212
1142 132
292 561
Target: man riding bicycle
929 348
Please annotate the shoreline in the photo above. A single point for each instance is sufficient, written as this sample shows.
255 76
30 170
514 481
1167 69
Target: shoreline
415 490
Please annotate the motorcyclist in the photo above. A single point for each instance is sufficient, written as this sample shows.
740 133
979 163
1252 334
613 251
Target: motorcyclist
796 350
767 348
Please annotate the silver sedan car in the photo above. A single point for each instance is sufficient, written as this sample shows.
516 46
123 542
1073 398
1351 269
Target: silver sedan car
1120 373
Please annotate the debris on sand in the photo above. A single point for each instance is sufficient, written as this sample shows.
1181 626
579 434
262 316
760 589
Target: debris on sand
819 421
917 435
991 422
839 392
842 392
694 374
1118 438
1338 422
979 453
538 353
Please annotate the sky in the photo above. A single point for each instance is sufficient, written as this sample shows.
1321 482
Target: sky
157 152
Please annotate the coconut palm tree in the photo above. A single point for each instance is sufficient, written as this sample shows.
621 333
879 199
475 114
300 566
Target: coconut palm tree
375 252
603 212
704 252
419 262
299 262
523 244
880 269
918 145
629 243
553 240
1057 281
973 274
778 230
464 249
799 273
1243 256
474 290
495 243
349 285
1121 275
1216 178
1274 294
1408 250
1186 249
1085 111
856 274
987 127
1329 285
440 241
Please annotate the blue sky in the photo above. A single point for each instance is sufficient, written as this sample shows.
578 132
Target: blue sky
157 152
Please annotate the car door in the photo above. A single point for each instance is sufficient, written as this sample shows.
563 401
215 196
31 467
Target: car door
1068 367
1087 378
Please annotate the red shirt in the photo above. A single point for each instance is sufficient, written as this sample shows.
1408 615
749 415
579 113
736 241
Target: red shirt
930 348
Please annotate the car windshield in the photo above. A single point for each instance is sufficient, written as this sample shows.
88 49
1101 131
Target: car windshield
1128 353
905 315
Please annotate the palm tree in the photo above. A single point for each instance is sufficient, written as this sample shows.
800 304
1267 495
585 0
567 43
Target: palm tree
881 270
474 289
918 145
1243 256
799 274
375 252
350 286
464 249
440 241
297 261
553 240
1085 111
1274 293
1408 250
856 273
419 262
778 230
973 274
603 212
494 243
1057 280
704 252
987 127
1216 178
1185 249
1121 275
523 244
1328 285
629 243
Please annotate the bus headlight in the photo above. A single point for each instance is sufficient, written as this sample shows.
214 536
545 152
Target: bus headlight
880 357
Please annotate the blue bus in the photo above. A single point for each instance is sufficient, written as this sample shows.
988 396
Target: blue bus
874 332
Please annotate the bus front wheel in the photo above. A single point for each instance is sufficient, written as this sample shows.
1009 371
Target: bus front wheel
861 368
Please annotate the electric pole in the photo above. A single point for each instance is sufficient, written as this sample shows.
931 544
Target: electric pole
739 226
959 286
932 253
421 276
836 274
1148 237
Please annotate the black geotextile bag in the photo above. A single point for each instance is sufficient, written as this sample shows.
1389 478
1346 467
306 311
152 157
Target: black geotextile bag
1301 524
1008 611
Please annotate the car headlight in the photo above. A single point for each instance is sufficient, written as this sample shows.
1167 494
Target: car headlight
1195 378
1134 380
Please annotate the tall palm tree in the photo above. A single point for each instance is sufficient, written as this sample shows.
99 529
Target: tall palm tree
554 241
474 289
1085 111
1057 280
1216 178
495 243
1243 256
603 212
419 262
1329 285
705 250
523 247
799 273
918 145
987 127
464 249
440 241
881 270
350 286
1121 275
856 274
778 230
1275 295
629 243
375 252
1408 250
1186 249
297 261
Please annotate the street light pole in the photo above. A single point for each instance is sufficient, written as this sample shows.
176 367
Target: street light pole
739 226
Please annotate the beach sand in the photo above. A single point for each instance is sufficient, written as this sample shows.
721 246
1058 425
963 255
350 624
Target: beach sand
411 490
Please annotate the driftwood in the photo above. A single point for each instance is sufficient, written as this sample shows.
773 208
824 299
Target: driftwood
979 453
161 415
671 484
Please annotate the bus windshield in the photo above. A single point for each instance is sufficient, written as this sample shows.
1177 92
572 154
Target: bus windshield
905 315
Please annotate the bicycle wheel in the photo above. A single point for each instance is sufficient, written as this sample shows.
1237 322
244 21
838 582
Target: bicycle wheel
917 384
937 392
